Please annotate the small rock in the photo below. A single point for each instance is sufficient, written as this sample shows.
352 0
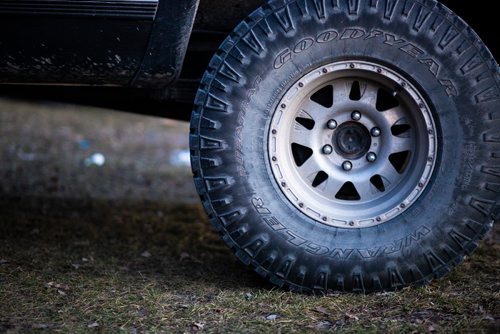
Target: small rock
322 310
75 265
93 325
198 326
62 293
272 317
146 254
351 317
58 286
324 324
248 296
84 259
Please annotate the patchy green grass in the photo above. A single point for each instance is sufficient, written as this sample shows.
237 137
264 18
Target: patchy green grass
75 265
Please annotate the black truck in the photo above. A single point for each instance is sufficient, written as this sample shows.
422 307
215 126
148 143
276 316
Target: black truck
348 145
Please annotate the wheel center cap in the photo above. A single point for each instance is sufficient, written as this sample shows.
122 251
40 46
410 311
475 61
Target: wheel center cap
352 140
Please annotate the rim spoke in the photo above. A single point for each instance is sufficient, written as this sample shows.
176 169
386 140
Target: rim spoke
309 169
400 144
368 93
302 137
314 109
393 115
331 187
389 175
364 189
341 91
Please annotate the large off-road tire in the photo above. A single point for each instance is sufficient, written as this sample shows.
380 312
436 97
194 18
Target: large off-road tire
349 145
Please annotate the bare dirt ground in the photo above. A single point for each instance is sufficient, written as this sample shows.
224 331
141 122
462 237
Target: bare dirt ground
101 229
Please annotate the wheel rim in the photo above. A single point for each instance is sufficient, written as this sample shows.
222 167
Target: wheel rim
352 144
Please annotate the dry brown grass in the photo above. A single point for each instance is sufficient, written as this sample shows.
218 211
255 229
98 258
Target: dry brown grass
68 265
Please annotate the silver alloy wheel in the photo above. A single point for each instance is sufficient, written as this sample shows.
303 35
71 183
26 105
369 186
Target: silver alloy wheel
352 144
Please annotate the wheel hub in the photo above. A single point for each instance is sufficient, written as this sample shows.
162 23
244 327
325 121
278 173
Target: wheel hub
352 140
352 144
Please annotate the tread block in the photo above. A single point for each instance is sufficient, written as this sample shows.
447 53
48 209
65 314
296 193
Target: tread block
460 239
216 104
209 163
420 19
376 284
229 72
285 267
301 275
373 3
451 254
302 5
415 273
339 283
492 137
395 278
220 203
433 261
284 19
239 232
495 187
448 37
353 7
270 259
253 42
216 183
207 143
390 5
321 282
237 54
207 123
407 7
484 206
494 116
243 257
230 218
319 7
254 247
357 282
492 170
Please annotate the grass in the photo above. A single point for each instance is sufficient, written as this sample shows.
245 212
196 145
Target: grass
126 247
75 266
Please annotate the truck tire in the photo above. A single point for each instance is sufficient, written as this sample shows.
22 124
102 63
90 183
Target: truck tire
349 145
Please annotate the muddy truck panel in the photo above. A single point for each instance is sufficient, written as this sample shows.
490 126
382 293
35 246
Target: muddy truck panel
112 42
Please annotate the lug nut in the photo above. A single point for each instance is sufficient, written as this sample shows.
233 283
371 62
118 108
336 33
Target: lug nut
347 166
356 115
327 149
371 157
376 132
332 124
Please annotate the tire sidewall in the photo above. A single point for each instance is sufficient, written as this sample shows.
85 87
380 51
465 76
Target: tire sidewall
445 203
